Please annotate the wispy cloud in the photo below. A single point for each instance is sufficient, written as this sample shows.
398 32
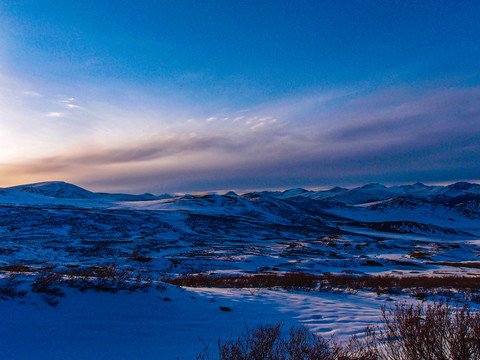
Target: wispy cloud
54 114
32 93
258 126
73 106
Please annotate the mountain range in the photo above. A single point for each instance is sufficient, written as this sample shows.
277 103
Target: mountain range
453 194
369 229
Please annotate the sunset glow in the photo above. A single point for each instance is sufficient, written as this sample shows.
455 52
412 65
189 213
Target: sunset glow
176 96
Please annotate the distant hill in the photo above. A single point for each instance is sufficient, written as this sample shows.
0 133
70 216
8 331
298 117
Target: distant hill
63 190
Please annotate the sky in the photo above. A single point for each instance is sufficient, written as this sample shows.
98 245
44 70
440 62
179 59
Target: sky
183 96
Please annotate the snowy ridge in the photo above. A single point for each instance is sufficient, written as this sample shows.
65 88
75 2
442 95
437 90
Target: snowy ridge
63 190
454 206
377 192
56 189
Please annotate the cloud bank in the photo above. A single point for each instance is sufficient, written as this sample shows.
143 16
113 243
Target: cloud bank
427 132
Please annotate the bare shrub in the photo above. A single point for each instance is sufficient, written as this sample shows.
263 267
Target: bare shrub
9 286
259 343
48 282
305 345
437 331
102 278
359 349
106 278
266 342
428 332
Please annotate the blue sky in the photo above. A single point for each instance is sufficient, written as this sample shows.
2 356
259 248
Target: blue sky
191 96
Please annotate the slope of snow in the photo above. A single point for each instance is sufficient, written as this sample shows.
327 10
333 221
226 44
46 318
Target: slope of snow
57 189
166 324
63 190
255 206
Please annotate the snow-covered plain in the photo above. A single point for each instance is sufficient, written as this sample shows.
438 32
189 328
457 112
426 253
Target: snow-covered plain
167 324
371 229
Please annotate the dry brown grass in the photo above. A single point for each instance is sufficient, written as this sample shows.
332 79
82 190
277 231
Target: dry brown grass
288 280
17 268
298 281
457 264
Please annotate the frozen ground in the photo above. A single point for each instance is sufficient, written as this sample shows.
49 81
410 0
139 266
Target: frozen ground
413 229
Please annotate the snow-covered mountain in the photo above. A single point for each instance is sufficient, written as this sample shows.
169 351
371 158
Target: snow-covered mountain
57 189
63 190
292 230
454 194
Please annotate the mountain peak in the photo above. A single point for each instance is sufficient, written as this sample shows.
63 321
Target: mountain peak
462 185
373 186
419 184
337 189
231 193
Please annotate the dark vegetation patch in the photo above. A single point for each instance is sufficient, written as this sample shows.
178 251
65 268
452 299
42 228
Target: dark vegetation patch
143 259
458 264
405 227
50 282
408 264
17 268
102 278
371 262
419 255
327 281
10 287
